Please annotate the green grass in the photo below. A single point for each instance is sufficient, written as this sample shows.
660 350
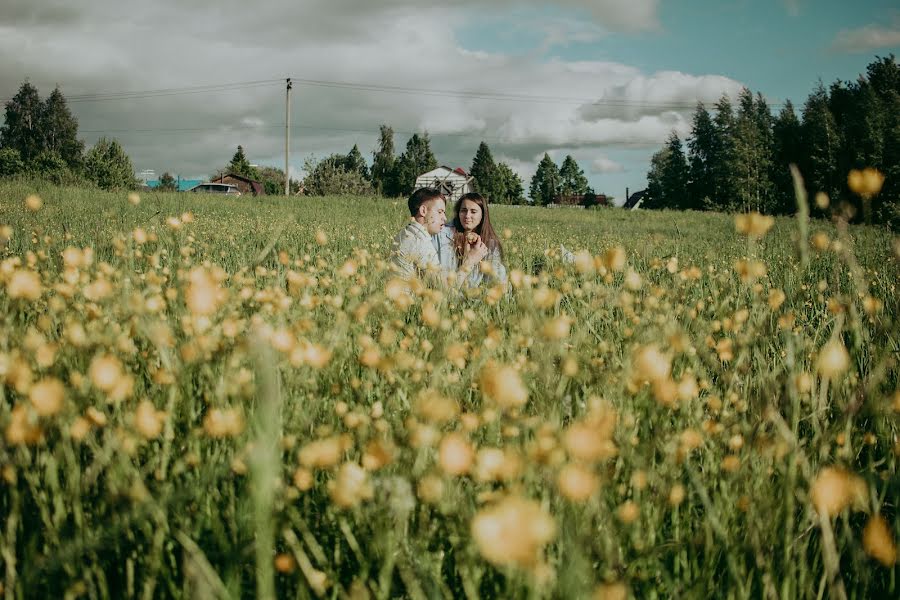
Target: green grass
120 513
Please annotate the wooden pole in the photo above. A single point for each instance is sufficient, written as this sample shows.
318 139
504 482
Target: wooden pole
287 139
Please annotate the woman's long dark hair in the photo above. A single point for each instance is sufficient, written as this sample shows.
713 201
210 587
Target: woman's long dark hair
484 229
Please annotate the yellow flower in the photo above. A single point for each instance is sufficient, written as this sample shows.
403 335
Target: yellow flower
865 183
33 203
650 364
503 385
878 542
455 454
836 489
324 453
351 486
24 284
513 532
21 430
753 224
106 372
833 360
47 396
577 483
148 421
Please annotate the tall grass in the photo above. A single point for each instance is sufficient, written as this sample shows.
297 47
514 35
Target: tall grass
249 408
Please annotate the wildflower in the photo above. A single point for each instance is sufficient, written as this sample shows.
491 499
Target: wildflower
21 430
513 532
577 483
436 408
220 423
776 299
866 182
106 372
24 284
503 385
33 203
557 328
628 512
584 262
836 489
303 479
133 198
204 294
614 258
321 237
494 464
324 453
350 487
611 591
455 454
47 396
676 495
285 563
650 364
148 421
79 429
753 224
878 541
833 360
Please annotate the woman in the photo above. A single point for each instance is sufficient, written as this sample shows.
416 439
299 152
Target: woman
470 227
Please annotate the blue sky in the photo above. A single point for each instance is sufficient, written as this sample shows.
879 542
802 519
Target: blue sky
603 80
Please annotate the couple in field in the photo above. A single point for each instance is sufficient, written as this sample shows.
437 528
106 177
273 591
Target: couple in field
464 252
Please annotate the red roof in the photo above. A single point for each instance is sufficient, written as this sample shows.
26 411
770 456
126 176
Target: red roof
461 171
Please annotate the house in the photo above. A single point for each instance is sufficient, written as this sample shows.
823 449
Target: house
243 183
634 200
453 183
584 200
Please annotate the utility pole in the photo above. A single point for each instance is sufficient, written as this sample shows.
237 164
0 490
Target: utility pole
287 138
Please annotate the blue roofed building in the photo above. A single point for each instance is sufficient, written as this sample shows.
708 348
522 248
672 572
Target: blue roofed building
182 183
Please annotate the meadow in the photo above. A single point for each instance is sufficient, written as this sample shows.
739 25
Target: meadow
206 397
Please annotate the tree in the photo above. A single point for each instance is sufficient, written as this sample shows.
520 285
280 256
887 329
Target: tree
417 159
167 183
722 165
272 179
820 142
701 159
10 162
22 129
511 184
331 177
60 130
545 183
667 180
572 181
752 151
486 175
107 165
383 164
355 162
239 165
786 150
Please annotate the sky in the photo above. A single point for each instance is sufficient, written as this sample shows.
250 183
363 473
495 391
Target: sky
181 83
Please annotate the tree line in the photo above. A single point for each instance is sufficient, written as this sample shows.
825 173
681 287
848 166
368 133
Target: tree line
39 139
737 157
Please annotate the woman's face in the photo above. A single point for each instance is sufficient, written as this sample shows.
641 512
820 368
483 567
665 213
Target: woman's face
470 215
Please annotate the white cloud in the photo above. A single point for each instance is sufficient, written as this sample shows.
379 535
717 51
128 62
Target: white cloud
554 105
602 164
866 39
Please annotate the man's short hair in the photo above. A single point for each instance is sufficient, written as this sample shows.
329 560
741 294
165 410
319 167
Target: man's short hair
420 197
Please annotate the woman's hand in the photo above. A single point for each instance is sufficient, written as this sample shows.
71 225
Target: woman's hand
475 253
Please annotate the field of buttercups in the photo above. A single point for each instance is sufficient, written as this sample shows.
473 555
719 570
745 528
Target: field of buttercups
205 397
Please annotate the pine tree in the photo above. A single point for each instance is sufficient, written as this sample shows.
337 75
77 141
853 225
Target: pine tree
239 165
417 159
355 162
722 164
786 150
486 175
701 159
572 179
60 130
655 197
545 184
107 165
511 184
675 175
22 129
752 154
821 144
383 163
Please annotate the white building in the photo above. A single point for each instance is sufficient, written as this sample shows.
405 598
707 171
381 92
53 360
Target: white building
453 183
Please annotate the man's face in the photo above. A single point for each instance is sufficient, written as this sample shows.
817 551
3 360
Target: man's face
433 214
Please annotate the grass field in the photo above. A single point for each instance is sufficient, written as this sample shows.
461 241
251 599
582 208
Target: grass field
209 397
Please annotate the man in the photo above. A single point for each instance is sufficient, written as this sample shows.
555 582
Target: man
413 254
